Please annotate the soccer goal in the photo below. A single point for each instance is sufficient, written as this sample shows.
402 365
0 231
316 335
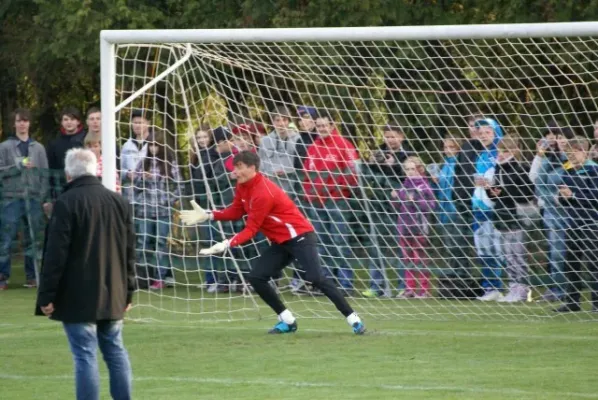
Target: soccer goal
421 239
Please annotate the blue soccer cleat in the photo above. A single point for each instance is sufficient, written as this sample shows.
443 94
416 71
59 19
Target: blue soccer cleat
358 328
282 327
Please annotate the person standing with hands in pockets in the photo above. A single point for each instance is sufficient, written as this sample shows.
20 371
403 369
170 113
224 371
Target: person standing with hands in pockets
88 275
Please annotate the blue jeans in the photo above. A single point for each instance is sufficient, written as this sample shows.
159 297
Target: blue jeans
84 339
488 243
11 213
208 236
331 224
158 229
382 249
557 250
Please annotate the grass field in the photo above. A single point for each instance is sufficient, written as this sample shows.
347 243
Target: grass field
399 358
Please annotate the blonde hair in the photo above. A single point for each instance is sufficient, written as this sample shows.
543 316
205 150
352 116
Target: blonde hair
92 138
419 164
456 140
511 144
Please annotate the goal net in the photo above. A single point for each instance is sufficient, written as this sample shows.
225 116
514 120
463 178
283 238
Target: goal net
429 161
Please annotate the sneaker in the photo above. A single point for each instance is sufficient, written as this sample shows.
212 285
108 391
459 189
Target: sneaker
371 293
550 296
490 295
30 284
512 296
282 327
406 294
169 281
314 291
157 285
358 328
423 295
568 307
212 288
3 285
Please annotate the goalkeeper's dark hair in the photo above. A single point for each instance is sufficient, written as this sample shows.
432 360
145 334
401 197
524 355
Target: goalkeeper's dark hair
248 158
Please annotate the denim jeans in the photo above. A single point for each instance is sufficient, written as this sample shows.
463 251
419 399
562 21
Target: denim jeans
456 237
83 340
212 265
557 250
488 243
11 214
331 224
158 229
383 250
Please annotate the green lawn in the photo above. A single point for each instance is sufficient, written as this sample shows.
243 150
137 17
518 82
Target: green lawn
415 350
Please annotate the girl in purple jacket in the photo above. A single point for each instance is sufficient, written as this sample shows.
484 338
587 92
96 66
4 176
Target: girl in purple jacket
415 202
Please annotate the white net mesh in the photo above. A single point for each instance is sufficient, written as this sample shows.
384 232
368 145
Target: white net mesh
387 228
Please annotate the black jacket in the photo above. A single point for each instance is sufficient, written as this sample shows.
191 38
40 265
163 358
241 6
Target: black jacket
307 138
88 270
515 187
56 152
394 171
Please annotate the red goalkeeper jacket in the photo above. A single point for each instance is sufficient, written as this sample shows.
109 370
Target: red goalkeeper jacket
268 209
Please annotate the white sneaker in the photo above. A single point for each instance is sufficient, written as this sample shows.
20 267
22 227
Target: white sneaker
490 295
512 296
169 281
517 293
212 288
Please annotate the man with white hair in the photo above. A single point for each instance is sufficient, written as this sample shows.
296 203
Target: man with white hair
87 278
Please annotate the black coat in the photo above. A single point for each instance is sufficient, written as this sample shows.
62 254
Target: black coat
56 152
301 147
516 188
88 270
394 171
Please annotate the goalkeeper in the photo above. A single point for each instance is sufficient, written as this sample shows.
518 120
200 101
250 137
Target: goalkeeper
271 211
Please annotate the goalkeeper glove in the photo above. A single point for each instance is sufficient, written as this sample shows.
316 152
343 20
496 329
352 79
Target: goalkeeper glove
217 248
195 216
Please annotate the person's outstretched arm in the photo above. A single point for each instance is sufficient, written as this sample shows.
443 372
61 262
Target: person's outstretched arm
259 209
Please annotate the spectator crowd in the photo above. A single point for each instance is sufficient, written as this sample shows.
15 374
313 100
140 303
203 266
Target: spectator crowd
384 211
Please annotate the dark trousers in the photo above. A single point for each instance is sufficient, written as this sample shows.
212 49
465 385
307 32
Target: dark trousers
304 249
581 243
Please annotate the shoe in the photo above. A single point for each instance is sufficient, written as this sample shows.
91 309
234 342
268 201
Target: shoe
30 284
212 288
157 285
424 295
405 294
551 296
568 307
371 293
282 327
3 285
490 295
517 293
358 328
169 282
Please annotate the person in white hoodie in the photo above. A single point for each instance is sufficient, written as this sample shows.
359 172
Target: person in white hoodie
133 151
277 150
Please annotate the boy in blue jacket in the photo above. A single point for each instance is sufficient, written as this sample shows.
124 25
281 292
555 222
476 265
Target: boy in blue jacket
486 236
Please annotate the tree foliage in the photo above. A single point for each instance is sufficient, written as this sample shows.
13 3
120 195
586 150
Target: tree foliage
49 50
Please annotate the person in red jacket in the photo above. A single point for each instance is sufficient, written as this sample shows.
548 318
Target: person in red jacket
270 210
330 174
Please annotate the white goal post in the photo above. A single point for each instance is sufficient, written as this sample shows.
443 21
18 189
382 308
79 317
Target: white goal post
424 81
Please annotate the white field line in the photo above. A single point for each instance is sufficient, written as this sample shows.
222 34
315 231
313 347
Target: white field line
304 384
6 330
